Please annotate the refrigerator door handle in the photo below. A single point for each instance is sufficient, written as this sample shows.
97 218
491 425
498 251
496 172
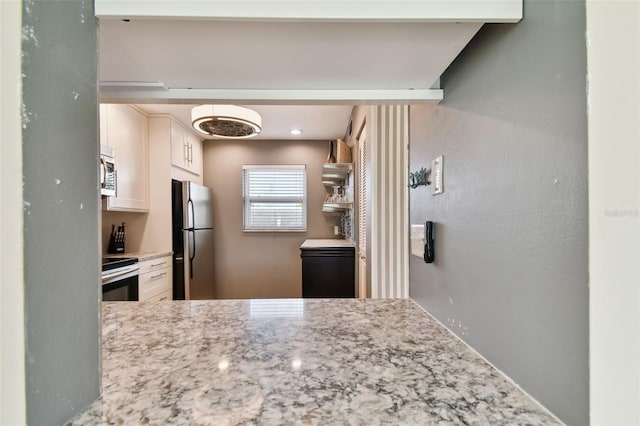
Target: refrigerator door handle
192 251
191 218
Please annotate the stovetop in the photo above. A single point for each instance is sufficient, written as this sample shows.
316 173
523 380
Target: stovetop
110 263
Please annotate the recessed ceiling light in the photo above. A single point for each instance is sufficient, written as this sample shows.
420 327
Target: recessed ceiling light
296 132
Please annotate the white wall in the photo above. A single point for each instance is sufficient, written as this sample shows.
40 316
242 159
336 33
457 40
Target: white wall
12 373
613 52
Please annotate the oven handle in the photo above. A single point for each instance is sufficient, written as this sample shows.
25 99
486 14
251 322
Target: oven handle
103 174
120 272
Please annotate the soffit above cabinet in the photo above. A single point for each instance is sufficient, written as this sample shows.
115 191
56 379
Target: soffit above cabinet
318 10
318 122
287 52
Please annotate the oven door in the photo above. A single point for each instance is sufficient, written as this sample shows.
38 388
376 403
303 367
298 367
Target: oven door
120 285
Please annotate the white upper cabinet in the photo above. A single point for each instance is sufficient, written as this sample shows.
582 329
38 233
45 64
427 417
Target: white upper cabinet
186 149
195 162
179 149
125 129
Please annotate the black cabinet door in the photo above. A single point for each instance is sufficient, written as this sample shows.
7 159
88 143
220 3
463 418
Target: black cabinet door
328 272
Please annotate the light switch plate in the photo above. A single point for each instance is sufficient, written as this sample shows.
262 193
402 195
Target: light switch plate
417 240
437 186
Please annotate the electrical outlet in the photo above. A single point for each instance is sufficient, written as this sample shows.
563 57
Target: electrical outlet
437 186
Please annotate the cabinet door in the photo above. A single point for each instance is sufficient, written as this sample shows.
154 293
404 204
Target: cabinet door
195 154
186 149
328 272
178 145
127 134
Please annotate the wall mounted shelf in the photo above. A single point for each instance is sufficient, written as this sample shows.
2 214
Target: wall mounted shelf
336 174
336 207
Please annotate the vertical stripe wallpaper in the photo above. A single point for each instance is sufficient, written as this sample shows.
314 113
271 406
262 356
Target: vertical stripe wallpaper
389 202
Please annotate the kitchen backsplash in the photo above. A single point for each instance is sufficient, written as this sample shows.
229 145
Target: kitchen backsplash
135 225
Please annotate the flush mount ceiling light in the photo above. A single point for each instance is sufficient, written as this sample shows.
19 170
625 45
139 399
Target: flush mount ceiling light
296 132
226 121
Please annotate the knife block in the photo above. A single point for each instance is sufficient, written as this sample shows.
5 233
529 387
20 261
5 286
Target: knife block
116 244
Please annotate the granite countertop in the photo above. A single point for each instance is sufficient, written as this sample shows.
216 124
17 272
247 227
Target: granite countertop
295 361
326 243
142 256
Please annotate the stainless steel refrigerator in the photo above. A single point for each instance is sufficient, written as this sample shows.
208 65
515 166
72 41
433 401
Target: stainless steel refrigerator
192 215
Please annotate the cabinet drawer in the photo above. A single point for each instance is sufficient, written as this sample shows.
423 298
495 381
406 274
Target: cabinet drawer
154 283
154 264
160 297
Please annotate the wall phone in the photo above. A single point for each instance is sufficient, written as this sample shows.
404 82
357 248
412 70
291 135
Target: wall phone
428 242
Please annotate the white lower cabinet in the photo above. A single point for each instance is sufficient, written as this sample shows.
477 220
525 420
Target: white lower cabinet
155 280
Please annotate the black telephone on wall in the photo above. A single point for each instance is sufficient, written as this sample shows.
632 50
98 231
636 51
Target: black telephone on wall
428 242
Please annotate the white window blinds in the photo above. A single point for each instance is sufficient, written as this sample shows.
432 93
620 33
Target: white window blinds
274 198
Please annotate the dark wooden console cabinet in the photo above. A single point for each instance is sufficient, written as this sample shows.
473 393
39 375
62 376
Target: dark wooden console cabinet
328 272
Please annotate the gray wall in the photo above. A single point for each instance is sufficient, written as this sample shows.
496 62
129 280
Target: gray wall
261 265
510 276
61 209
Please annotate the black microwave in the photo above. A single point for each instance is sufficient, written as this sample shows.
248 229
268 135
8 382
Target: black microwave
108 182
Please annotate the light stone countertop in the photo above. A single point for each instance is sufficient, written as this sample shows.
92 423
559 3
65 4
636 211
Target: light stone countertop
142 256
326 243
295 361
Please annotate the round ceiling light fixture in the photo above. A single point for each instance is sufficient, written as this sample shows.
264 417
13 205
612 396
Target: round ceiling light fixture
226 121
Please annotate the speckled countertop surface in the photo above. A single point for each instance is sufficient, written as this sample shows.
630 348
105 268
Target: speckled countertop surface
142 256
295 361
326 243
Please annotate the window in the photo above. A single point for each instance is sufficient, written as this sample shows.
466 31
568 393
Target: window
274 198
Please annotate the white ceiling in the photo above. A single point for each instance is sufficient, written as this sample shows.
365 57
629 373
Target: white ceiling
318 122
280 55
323 59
